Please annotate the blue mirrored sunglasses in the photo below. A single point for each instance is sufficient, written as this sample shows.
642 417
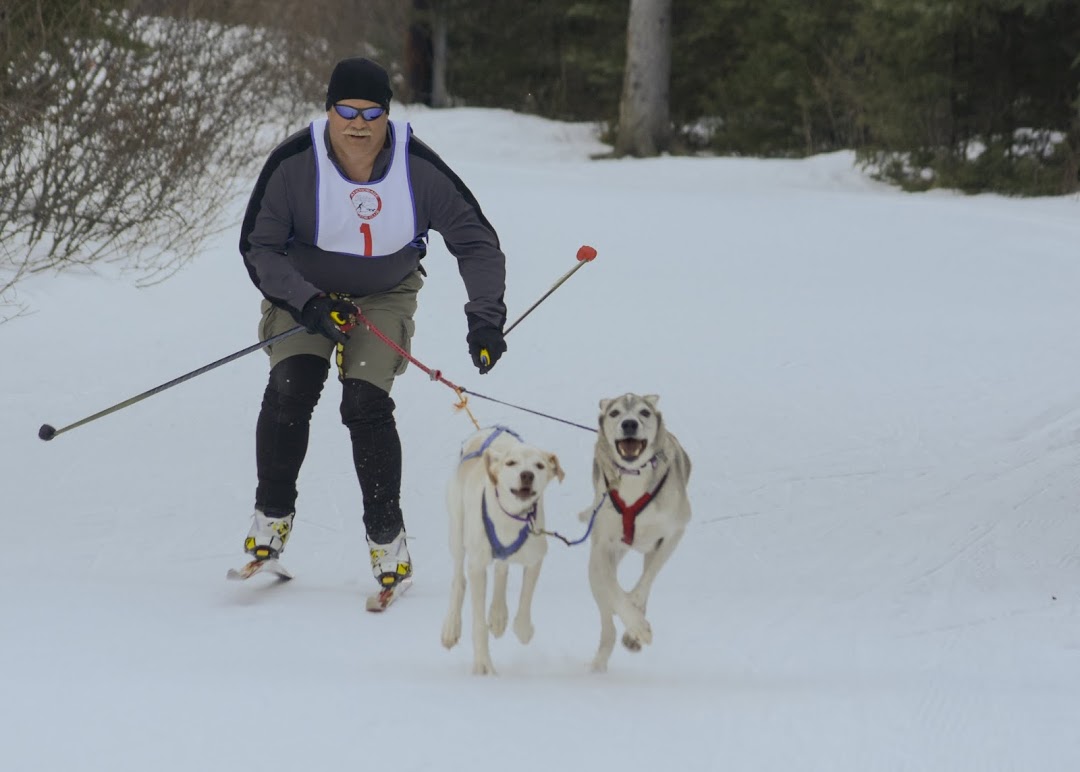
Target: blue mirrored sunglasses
367 113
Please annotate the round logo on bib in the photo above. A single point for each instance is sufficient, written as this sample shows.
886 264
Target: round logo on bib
366 202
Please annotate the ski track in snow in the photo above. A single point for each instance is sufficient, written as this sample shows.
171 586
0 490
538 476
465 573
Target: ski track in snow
878 392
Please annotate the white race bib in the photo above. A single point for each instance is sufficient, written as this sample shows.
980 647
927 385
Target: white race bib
365 219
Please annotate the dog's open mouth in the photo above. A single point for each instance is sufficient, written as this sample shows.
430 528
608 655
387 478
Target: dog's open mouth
523 493
630 449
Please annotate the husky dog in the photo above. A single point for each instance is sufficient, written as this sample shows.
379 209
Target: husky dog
640 474
496 513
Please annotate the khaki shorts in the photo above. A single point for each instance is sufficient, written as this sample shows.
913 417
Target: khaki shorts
364 356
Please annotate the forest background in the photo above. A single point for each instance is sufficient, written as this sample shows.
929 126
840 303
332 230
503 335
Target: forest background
123 123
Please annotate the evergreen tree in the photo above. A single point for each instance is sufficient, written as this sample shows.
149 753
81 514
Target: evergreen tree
771 76
975 94
561 58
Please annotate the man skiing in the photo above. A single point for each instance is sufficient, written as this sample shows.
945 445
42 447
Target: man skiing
338 221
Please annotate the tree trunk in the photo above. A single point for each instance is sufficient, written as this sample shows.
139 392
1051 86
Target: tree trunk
644 122
418 56
425 53
440 97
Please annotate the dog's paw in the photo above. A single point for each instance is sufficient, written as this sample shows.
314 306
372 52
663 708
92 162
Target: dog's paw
599 665
497 618
451 632
630 642
523 629
483 667
634 621
639 631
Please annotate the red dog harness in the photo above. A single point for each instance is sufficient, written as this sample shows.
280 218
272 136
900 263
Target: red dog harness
630 512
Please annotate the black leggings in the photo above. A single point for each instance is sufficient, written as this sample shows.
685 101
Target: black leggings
281 440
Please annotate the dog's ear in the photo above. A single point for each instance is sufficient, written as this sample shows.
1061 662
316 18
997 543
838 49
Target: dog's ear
554 461
491 460
651 400
605 404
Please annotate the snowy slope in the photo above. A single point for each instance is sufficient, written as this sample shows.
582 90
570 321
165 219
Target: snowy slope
880 393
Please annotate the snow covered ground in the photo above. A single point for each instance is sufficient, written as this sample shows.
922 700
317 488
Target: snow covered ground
880 393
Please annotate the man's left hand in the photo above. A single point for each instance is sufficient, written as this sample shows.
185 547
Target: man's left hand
486 345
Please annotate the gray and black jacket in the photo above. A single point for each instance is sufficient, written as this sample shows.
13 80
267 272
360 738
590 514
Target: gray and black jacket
278 234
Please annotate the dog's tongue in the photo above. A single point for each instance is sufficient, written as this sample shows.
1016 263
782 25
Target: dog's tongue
630 449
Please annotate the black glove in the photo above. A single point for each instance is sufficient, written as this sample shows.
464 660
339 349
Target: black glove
316 317
489 340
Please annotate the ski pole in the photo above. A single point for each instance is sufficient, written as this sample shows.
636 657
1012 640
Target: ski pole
47 432
585 254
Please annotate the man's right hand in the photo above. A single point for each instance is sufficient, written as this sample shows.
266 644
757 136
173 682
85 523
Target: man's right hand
318 317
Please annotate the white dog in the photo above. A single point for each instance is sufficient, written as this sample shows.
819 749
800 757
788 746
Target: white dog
496 511
640 474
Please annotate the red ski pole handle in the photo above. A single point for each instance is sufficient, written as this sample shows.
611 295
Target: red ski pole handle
586 253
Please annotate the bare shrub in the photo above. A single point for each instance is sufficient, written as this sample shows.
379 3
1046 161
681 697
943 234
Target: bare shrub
313 34
121 139
134 149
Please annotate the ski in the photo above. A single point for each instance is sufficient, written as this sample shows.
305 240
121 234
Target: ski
257 567
380 600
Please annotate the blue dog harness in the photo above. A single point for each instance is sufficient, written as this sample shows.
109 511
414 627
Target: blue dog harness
496 431
498 549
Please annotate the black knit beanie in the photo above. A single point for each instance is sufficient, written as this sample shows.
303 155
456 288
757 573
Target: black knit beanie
358 78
